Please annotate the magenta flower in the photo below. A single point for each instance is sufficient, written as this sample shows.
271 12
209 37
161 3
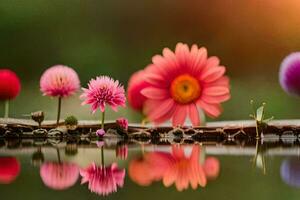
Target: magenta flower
104 90
59 81
289 74
59 176
100 132
122 122
103 180
101 91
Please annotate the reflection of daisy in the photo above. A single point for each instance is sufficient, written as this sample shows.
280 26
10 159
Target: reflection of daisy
103 180
184 170
172 168
182 82
59 176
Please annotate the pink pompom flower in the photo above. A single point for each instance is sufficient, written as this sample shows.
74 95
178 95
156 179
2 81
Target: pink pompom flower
59 81
101 91
122 122
103 180
10 87
181 83
59 176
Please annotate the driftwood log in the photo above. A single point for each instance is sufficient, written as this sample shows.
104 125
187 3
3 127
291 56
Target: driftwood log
215 131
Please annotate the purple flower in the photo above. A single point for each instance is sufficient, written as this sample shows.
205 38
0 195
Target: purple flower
289 74
290 172
122 122
100 132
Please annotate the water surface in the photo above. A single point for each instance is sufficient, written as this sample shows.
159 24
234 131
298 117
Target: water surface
112 169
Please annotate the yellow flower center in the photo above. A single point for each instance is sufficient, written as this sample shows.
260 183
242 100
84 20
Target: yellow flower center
185 89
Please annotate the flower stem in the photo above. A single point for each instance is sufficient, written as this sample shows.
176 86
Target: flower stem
58 155
102 156
58 111
6 111
102 120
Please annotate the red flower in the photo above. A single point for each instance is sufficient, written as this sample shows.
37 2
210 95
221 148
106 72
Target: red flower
136 84
9 169
10 85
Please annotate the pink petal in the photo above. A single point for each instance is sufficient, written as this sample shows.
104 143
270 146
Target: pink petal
215 91
179 115
213 74
213 110
223 81
177 152
194 115
198 59
166 116
155 93
164 107
215 99
210 63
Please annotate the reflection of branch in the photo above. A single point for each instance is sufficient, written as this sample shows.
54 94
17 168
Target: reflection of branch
259 154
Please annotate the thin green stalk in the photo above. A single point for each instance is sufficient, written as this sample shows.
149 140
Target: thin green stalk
6 109
102 120
102 156
58 155
58 111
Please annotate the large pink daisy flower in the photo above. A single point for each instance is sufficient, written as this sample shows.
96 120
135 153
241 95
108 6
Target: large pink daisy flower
104 90
183 81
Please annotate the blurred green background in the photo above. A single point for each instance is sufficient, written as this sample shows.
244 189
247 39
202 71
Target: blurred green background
116 38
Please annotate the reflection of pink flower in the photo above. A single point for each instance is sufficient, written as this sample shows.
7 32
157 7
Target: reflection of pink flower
183 81
136 83
59 81
122 151
184 170
149 168
10 85
104 90
122 122
59 176
103 180
211 167
9 169
174 168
